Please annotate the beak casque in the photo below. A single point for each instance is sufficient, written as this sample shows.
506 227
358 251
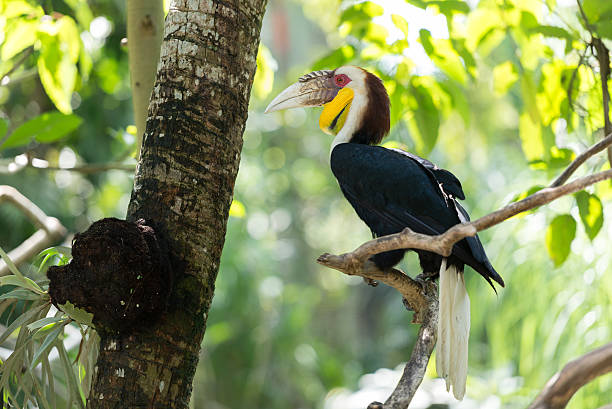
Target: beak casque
313 89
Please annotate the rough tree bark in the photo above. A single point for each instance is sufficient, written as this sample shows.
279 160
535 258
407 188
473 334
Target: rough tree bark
183 189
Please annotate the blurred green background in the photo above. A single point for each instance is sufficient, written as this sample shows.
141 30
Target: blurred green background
502 93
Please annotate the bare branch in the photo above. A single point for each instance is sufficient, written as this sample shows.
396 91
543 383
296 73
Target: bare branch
50 228
603 58
93 168
86 169
563 385
415 368
580 159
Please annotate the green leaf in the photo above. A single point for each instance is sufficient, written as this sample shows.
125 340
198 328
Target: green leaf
528 192
401 23
82 11
504 76
551 31
237 209
20 34
443 54
591 213
21 281
11 266
336 58
20 294
264 76
3 127
559 237
532 139
22 319
73 386
63 253
16 8
44 321
597 10
45 128
361 13
79 315
59 53
46 344
560 157
450 7
425 121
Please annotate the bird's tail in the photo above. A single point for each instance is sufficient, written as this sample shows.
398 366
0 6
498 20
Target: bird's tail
453 329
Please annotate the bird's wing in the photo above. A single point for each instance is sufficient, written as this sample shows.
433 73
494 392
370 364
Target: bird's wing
391 190
449 182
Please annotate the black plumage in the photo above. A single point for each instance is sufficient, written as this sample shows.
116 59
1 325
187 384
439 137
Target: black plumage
392 189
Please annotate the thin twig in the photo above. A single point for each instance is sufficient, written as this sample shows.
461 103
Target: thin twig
24 55
577 373
580 159
570 87
603 58
84 169
93 168
50 228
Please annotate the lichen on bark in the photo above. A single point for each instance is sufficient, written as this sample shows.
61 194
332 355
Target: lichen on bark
183 188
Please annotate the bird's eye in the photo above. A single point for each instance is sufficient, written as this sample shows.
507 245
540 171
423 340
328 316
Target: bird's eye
341 80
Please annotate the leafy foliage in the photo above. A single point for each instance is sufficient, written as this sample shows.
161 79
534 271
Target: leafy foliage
504 94
30 372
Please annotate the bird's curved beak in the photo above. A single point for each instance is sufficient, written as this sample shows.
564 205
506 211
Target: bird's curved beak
311 90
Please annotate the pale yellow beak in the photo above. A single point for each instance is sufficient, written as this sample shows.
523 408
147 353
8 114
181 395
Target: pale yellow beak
313 89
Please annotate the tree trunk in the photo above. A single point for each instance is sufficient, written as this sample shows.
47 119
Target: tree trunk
145 19
183 189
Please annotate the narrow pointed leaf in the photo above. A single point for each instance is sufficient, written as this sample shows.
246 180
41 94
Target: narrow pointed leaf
46 344
9 263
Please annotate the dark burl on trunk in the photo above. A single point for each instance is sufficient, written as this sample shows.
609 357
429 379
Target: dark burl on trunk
119 272
183 189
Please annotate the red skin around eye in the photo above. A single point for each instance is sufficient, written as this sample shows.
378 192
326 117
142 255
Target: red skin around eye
341 80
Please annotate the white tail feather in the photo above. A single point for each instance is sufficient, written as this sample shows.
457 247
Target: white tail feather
453 330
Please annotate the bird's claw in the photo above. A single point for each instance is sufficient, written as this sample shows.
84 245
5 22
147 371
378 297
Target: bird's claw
370 282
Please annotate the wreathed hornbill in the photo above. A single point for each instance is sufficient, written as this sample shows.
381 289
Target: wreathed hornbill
391 189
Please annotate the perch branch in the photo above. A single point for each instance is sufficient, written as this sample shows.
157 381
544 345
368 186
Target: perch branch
50 228
351 263
580 159
577 373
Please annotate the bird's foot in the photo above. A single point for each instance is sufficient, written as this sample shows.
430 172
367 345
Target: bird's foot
370 282
428 276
